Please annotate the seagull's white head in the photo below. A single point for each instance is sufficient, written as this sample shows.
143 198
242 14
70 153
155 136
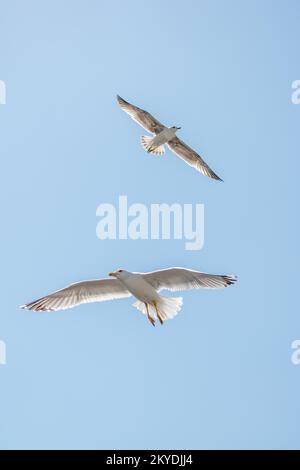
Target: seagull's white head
175 128
119 274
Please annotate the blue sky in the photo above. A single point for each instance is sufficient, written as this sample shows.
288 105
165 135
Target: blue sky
98 376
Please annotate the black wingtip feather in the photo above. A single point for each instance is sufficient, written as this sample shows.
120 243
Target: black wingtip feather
120 100
216 177
230 280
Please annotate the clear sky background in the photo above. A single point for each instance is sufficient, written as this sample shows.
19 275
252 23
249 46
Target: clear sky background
99 376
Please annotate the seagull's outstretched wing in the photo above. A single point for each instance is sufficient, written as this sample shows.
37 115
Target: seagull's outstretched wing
80 293
143 118
175 279
191 157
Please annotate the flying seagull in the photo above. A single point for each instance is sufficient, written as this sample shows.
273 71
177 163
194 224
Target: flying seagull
165 135
145 287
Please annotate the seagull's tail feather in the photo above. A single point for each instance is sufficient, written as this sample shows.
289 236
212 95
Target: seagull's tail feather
146 142
168 307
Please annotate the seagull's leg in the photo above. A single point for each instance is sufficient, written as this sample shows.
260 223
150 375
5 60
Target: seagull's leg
158 314
151 320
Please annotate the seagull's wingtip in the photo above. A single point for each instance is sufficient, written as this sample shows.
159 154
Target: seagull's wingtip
216 177
230 279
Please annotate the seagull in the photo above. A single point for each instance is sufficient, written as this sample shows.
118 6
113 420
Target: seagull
165 135
145 287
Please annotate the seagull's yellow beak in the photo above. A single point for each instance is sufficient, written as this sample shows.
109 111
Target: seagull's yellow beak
113 274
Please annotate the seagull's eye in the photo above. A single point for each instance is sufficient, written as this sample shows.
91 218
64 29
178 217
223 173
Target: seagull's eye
120 271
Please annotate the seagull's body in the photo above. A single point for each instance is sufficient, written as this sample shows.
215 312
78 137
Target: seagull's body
145 287
155 144
164 135
138 286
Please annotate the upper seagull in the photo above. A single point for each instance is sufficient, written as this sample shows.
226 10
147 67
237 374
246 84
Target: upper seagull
144 287
165 135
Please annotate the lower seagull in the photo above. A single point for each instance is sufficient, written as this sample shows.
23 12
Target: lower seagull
145 287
